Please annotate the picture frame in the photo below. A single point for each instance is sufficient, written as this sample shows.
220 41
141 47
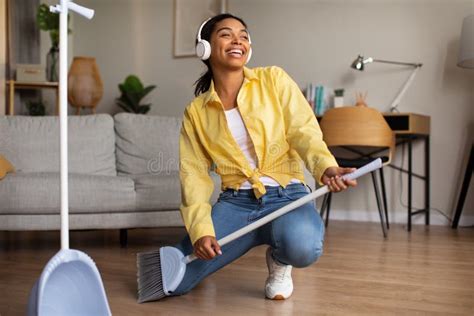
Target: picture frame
188 16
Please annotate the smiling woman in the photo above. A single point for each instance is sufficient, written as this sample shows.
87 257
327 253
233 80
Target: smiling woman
256 127
231 44
224 36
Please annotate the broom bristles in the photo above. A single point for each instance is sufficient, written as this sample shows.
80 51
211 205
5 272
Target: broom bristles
149 277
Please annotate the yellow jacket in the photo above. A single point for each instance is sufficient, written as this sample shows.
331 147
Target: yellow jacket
281 125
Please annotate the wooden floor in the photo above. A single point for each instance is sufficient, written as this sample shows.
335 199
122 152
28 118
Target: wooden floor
427 271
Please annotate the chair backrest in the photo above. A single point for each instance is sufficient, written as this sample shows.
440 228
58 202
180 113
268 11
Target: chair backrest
357 126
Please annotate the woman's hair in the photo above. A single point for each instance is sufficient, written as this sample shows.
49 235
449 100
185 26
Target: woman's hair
204 82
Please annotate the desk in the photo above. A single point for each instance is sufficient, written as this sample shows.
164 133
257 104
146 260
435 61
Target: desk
12 85
409 127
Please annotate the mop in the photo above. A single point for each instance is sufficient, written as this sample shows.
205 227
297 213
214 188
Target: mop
161 271
70 284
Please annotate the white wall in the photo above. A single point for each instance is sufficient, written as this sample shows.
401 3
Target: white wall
315 41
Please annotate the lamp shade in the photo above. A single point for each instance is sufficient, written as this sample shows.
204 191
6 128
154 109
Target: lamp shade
358 63
85 87
466 48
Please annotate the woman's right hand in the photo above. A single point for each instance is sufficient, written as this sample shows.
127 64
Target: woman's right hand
206 248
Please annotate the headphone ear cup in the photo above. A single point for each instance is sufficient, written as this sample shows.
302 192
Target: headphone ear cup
203 49
249 55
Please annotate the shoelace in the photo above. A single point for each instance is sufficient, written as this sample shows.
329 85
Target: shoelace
280 272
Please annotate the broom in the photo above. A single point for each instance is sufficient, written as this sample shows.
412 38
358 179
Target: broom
161 271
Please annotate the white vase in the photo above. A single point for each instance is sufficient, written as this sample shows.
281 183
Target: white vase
338 102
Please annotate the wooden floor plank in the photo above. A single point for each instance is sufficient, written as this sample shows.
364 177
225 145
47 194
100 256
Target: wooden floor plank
427 271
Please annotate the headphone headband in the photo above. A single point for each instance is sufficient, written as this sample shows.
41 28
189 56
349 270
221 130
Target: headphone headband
200 29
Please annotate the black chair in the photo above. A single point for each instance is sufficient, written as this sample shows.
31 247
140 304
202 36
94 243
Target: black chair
381 198
464 188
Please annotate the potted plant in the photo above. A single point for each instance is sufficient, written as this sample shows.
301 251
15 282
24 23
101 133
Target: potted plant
36 108
49 21
133 92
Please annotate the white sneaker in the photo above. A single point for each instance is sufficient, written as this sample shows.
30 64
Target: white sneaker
279 284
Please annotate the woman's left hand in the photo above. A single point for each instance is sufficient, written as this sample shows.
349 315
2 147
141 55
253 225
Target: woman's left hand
333 178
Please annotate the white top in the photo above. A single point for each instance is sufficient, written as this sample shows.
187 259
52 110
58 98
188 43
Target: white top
242 137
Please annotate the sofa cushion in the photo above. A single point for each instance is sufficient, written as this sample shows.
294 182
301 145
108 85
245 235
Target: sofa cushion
32 143
163 192
38 193
146 144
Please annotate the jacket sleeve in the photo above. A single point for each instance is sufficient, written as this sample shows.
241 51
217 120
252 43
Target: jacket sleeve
196 183
302 129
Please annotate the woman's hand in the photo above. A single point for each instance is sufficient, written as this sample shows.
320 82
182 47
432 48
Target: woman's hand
206 248
332 177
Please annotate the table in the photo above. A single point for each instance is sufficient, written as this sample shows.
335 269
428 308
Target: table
410 127
12 85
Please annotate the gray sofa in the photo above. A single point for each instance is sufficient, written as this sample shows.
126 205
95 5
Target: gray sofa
123 172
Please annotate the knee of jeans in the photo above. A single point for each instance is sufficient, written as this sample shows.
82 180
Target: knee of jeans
303 254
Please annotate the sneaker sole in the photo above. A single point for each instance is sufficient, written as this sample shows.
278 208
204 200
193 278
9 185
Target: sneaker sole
277 298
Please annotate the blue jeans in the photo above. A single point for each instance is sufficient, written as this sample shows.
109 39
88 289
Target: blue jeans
296 237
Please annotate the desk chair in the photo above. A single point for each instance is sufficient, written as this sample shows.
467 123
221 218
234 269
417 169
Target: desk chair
356 136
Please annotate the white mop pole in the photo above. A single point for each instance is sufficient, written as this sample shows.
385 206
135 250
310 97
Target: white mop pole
63 133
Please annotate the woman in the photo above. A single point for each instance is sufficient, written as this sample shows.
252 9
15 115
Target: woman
255 127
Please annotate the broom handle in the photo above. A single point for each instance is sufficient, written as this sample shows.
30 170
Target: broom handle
63 9
63 130
374 165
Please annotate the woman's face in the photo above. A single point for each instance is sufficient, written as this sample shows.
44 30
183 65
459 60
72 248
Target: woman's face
229 44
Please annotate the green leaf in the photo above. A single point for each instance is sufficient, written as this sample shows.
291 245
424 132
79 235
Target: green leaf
132 92
143 109
132 83
147 90
132 97
125 100
47 20
124 105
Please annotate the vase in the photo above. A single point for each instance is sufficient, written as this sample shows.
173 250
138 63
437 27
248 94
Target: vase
85 88
338 102
52 64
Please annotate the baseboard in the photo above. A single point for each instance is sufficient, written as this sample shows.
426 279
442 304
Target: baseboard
396 217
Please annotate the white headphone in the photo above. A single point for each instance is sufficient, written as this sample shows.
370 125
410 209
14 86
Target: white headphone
203 47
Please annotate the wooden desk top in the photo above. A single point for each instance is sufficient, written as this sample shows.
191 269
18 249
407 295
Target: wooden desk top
406 123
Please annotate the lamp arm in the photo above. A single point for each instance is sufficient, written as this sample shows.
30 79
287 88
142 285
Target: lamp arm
396 101
397 63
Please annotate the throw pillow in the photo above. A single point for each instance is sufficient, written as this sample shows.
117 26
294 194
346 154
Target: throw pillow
5 167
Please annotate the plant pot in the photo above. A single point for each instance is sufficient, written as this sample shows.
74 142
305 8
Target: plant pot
52 64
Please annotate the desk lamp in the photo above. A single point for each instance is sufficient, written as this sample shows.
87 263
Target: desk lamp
360 62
